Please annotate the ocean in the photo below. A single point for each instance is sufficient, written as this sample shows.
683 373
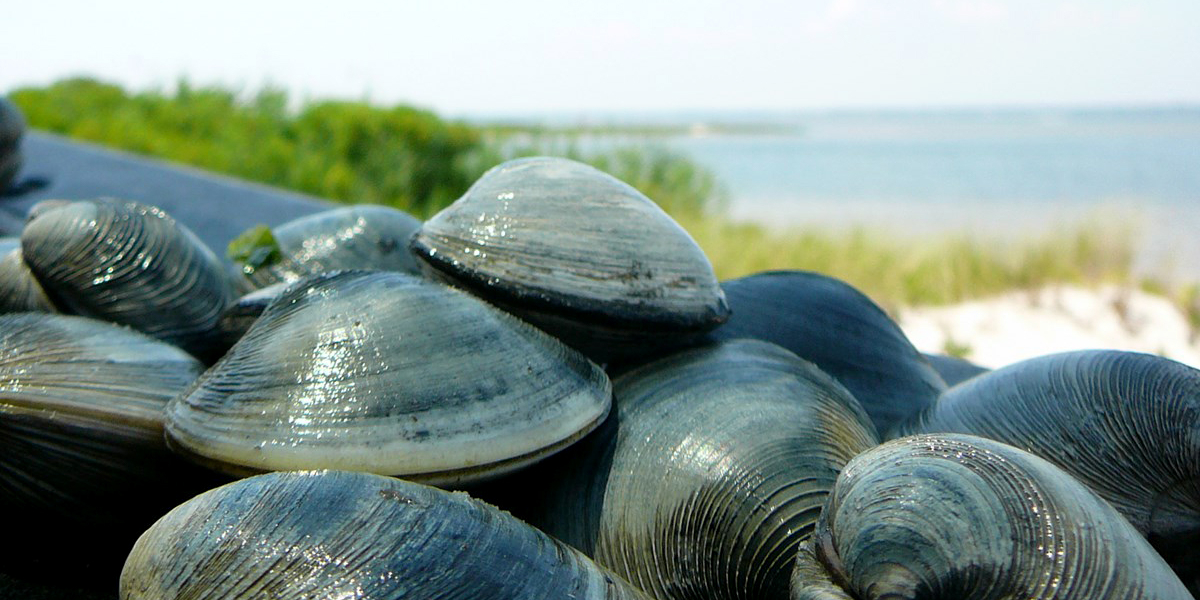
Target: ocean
1006 174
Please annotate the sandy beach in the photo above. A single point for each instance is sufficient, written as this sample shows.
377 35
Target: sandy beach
998 331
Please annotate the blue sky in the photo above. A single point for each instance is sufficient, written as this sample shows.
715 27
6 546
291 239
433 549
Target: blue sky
536 56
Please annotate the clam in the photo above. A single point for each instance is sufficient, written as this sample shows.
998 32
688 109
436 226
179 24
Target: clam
241 315
956 516
82 455
578 253
332 534
388 373
354 237
1125 424
842 331
19 289
954 370
12 128
131 264
709 476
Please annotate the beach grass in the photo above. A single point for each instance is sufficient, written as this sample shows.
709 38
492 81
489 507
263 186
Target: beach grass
895 270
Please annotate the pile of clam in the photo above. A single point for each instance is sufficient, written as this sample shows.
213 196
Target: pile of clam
624 425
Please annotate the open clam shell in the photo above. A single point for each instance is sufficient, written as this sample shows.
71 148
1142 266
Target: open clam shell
131 264
828 322
1125 424
388 373
336 534
353 237
956 516
578 253
81 418
712 472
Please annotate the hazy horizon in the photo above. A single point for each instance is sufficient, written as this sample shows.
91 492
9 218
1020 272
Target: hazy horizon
668 115
534 57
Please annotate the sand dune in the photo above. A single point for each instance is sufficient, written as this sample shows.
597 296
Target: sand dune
998 331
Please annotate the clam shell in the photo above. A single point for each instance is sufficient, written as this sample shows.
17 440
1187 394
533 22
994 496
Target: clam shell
955 516
19 289
577 252
240 316
131 264
353 535
81 418
388 373
711 473
954 370
1125 424
828 322
354 237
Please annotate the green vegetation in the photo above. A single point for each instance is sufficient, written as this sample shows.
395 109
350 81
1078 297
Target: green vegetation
896 271
956 349
347 151
254 249
411 159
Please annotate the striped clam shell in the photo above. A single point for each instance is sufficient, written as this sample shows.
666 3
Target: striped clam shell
578 253
711 473
81 418
19 289
838 328
333 534
131 264
352 237
385 372
243 312
1125 424
956 516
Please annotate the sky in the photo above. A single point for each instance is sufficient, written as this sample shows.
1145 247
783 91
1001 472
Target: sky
522 57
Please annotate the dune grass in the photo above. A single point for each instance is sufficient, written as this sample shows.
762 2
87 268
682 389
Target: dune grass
898 271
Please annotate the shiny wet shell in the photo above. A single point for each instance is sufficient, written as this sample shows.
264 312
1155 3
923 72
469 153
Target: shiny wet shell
952 516
388 373
131 264
353 535
352 237
842 331
81 416
710 475
567 245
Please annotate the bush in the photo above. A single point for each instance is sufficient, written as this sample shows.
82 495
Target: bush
351 152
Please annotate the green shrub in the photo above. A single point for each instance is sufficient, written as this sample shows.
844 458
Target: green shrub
348 151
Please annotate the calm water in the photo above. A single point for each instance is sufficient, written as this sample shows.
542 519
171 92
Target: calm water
1004 173
974 158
